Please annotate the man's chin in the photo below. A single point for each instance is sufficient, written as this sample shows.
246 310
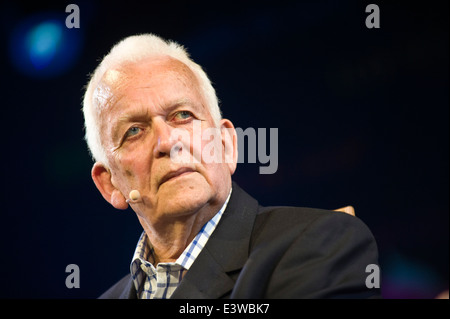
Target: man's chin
183 198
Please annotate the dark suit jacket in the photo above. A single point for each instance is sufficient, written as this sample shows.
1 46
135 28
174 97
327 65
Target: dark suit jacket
277 252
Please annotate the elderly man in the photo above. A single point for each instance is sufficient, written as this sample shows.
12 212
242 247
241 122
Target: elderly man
203 236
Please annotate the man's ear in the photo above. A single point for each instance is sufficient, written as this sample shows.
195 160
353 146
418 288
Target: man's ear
102 179
229 142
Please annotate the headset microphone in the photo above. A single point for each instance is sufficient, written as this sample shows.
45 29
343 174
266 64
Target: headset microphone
135 196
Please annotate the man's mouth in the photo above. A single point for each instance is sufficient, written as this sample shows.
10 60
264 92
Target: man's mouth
174 174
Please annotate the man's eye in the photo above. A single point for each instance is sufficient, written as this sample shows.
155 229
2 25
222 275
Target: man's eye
182 115
132 131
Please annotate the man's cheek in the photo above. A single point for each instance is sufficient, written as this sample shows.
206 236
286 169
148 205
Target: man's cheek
126 171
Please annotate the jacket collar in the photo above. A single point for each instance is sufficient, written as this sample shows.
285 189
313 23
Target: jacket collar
225 252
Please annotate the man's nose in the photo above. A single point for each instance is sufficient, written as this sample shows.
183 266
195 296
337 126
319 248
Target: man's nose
164 142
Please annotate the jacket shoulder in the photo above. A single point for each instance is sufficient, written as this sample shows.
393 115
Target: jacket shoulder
309 253
276 220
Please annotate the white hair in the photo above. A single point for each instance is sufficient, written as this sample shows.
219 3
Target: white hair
134 49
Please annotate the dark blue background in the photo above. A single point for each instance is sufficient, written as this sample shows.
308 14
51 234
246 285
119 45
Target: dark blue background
362 116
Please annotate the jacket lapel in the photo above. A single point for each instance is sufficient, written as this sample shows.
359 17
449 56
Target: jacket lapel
214 272
205 279
129 292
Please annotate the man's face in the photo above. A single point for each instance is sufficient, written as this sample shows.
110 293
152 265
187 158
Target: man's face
142 104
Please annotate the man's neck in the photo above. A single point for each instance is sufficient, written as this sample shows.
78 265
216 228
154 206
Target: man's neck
170 237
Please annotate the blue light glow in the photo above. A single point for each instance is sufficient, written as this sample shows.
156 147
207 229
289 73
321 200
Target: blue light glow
43 43
42 47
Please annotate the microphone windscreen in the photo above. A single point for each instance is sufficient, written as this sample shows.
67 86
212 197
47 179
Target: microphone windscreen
135 195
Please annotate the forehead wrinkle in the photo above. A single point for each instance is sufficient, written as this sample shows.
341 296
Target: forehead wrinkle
142 113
